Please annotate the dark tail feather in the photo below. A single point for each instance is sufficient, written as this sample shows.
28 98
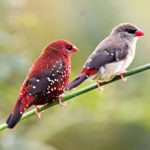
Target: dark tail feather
77 81
14 116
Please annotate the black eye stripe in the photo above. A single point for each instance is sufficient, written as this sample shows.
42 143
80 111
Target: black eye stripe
69 47
131 31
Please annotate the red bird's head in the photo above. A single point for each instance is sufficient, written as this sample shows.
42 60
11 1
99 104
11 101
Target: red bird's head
60 48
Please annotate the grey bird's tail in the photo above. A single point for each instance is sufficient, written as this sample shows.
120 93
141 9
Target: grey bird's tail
77 81
14 116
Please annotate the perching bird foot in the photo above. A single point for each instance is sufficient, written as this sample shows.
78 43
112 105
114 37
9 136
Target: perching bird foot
64 104
38 114
101 89
124 79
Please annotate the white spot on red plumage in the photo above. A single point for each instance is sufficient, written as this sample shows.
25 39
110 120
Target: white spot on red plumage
37 80
48 79
53 75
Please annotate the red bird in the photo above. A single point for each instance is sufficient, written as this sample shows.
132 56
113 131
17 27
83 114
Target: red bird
111 57
46 79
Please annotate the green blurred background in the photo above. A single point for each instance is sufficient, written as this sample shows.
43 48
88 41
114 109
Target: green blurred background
118 119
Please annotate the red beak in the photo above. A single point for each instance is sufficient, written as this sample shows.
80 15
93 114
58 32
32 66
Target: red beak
139 33
75 49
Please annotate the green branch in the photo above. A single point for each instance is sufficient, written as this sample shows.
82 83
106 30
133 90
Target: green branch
79 92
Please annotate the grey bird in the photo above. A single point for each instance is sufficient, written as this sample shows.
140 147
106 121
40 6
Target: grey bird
111 57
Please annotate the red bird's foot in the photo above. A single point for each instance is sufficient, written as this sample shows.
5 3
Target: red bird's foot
38 114
64 104
124 79
99 86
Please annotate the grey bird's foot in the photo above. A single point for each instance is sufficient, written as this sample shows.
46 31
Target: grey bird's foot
120 73
101 89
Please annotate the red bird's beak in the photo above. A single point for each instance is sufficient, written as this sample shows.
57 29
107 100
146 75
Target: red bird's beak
75 49
139 33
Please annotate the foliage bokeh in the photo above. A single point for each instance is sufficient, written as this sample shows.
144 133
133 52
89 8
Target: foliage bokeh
117 119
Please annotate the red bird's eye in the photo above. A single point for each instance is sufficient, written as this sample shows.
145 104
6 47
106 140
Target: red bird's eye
69 47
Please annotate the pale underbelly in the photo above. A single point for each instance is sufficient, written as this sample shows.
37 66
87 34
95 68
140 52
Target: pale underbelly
110 70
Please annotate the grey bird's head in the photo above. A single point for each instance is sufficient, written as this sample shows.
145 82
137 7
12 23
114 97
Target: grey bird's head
127 31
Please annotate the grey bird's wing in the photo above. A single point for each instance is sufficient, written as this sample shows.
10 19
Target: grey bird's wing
108 51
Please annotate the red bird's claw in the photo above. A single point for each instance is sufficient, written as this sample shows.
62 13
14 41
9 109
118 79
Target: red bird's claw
38 114
101 89
64 104
61 96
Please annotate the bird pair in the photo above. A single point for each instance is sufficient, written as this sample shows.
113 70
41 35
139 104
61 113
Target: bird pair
50 73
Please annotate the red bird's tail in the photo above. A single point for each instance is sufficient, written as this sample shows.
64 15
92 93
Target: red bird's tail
77 81
14 116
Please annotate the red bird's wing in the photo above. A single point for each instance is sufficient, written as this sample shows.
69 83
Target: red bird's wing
37 85
49 83
55 76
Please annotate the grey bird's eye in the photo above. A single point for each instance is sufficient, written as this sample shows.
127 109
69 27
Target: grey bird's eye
131 31
69 47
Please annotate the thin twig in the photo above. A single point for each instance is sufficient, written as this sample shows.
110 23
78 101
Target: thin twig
79 92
